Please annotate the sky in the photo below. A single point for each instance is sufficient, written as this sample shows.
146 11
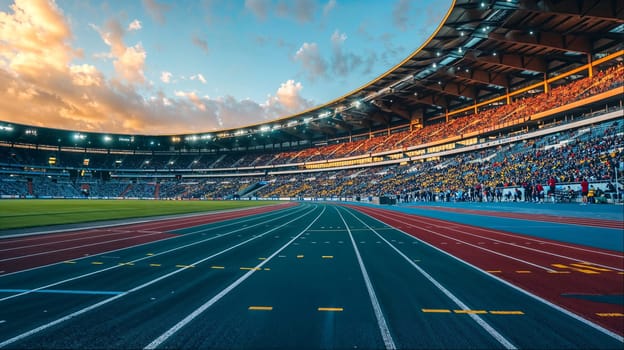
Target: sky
179 67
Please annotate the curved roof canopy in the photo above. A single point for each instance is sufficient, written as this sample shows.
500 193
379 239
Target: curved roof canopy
481 51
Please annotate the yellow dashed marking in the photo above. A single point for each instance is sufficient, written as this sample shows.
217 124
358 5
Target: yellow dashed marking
523 271
149 254
250 268
154 265
590 267
554 271
338 309
470 311
327 256
267 269
621 273
610 314
299 256
261 308
69 262
586 271
127 263
217 267
507 312
96 263
493 271
185 266
261 258
440 311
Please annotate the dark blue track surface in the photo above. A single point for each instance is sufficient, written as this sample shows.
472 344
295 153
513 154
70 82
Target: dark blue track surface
312 276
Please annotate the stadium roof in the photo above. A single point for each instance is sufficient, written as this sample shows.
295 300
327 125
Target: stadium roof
482 50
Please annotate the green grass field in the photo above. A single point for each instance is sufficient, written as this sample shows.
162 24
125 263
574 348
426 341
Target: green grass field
31 212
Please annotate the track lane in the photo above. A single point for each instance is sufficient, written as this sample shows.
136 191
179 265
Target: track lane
566 287
34 255
538 327
569 220
140 287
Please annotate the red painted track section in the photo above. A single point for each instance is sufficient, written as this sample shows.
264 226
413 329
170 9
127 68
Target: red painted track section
616 224
548 269
23 253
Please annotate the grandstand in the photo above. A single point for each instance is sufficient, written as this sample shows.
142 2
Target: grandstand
483 108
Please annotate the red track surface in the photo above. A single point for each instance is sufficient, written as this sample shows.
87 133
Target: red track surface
22 253
535 217
548 269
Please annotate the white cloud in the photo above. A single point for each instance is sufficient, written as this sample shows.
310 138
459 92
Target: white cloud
130 64
199 77
85 75
311 60
134 25
165 77
331 4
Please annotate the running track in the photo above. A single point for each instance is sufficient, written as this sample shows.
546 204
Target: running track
308 276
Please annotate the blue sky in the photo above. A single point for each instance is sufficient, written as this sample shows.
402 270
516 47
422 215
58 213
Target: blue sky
167 67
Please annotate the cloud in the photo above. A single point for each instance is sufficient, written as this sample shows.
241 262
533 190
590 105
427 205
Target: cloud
259 8
199 77
302 11
129 62
85 75
156 10
400 14
34 37
134 25
165 77
42 85
310 57
201 43
331 4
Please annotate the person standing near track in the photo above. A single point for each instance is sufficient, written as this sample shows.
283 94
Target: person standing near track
552 186
584 190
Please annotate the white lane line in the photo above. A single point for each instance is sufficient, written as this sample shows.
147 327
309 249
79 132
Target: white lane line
381 320
548 269
538 298
540 241
75 247
486 326
287 210
146 284
190 317
541 251
66 241
2 321
182 217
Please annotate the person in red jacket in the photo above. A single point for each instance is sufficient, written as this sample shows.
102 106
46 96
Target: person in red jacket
552 186
584 190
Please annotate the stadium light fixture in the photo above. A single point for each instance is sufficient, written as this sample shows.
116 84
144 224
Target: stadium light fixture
107 138
6 128
175 139
265 128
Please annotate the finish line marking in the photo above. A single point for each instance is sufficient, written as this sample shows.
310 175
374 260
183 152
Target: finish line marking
61 291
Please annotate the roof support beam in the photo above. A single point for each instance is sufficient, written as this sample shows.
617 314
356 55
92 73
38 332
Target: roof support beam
611 10
534 63
548 40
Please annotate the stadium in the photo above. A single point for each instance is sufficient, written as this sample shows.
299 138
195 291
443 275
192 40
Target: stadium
469 197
